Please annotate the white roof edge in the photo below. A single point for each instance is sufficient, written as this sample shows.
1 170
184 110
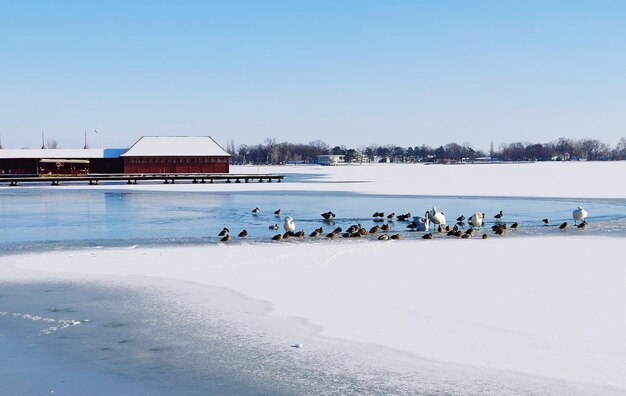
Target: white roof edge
175 146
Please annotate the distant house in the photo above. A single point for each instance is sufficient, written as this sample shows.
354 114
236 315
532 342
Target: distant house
330 159
176 154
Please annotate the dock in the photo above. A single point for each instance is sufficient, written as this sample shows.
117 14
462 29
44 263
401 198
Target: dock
165 178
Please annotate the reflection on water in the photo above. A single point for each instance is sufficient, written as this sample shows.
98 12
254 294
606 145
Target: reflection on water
47 219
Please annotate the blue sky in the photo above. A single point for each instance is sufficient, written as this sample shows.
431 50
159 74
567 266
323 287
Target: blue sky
346 72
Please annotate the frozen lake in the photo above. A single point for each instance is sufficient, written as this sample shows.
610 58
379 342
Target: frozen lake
42 219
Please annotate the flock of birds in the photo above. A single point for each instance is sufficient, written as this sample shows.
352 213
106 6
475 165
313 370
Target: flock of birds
415 223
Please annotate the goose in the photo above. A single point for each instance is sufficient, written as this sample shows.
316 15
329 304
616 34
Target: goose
255 211
224 231
243 234
226 238
273 227
579 214
278 212
499 216
289 224
477 219
436 217
563 226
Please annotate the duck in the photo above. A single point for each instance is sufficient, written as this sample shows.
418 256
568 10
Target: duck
485 236
273 227
332 235
404 217
563 226
427 236
225 231
582 225
466 236
395 236
391 216
255 211
226 238
300 234
383 237
278 212
386 227
477 219
328 216
460 219
375 229
289 224
515 226
288 234
243 234
317 232
579 214
411 226
499 216
277 237
501 231
546 221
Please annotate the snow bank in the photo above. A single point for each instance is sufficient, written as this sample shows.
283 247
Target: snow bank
547 306
541 179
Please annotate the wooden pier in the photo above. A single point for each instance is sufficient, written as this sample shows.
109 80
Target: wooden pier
168 178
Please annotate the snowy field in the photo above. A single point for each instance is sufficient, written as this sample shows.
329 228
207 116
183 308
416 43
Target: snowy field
548 307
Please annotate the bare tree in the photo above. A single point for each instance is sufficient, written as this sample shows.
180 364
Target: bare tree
52 144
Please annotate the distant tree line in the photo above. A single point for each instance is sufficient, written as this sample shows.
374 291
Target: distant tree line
563 149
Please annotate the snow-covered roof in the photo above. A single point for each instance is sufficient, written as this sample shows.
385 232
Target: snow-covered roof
176 146
57 153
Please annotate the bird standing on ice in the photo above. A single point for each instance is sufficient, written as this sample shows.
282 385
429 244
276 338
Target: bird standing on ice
436 217
579 214
476 220
290 225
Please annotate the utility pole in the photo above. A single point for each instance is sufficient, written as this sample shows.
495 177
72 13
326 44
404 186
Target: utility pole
86 147
43 144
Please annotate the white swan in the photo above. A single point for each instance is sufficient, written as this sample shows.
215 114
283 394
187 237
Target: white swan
290 225
477 219
436 217
422 223
579 214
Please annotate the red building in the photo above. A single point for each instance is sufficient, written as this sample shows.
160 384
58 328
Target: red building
60 161
176 154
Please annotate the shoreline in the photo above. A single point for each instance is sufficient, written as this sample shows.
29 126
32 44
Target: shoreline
324 365
390 304
575 180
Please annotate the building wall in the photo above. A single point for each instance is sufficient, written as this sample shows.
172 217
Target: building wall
176 165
